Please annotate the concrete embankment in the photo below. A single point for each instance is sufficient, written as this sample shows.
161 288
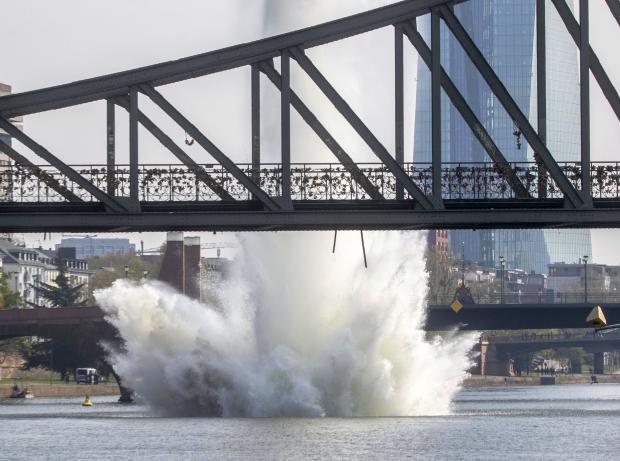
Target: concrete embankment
61 390
486 381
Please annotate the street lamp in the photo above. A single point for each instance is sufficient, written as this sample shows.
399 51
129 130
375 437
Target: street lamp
585 277
502 262
463 253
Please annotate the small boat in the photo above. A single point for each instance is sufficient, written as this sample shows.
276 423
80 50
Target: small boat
19 393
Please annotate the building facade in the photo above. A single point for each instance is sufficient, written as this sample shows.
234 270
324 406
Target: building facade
87 247
504 30
437 241
568 281
28 266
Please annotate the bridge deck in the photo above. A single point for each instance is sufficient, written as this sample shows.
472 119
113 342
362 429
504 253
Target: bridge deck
517 316
44 322
323 196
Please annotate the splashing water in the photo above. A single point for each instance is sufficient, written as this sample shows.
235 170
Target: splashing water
296 331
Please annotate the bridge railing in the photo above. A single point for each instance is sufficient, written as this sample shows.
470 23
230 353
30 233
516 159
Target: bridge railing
309 181
533 298
531 337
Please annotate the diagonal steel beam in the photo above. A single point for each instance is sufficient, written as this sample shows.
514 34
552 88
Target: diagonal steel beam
573 197
38 172
117 84
206 144
468 115
362 130
614 7
179 153
313 122
596 67
61 166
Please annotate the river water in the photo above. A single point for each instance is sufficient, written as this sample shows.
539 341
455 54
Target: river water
538 422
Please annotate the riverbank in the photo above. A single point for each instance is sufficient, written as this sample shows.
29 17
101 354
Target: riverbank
60 390
72 390
489 381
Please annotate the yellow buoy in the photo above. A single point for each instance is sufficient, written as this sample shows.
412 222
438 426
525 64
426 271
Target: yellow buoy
597 317
87 402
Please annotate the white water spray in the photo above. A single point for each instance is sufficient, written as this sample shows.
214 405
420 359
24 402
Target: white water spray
295 331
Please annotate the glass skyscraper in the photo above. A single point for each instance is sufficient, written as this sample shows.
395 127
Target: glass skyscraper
504 30
4 90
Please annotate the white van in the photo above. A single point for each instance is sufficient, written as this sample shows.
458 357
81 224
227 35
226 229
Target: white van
86 376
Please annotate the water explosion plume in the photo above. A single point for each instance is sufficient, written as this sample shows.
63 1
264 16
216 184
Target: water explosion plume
297 331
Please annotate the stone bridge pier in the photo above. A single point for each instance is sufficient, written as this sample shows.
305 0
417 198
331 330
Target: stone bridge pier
599 363
497 354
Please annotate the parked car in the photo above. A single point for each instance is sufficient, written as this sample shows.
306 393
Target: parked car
86 376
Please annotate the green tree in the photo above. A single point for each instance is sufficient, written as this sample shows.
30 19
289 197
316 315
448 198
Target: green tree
443 276
8 299
111 267
61 355
63 293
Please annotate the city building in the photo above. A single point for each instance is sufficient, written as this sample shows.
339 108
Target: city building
523 287
437 240
27 266
518 287
568 281
89 246
504 30
4 137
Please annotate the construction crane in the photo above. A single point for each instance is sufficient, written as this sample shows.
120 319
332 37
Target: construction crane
216 245
203 246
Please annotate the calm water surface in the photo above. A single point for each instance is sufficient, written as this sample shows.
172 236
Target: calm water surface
552 422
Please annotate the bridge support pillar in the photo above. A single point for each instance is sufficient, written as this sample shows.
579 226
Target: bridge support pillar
173 266
490 361
191 261
127 395
181 265
599 363
482 360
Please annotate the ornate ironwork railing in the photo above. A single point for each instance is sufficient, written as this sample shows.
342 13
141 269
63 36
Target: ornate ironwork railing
533 337
310 181
510 297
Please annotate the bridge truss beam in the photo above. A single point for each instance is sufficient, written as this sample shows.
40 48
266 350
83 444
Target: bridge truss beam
306 216
395 195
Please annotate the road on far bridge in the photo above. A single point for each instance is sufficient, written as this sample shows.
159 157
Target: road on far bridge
59 321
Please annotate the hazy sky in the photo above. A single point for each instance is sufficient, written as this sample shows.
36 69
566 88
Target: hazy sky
66 40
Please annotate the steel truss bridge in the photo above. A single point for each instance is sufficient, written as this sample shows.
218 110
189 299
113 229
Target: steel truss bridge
391 194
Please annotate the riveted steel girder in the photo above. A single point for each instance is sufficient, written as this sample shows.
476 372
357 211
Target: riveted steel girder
120 83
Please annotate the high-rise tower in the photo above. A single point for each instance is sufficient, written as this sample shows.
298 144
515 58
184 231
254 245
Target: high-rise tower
504 30
4 91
